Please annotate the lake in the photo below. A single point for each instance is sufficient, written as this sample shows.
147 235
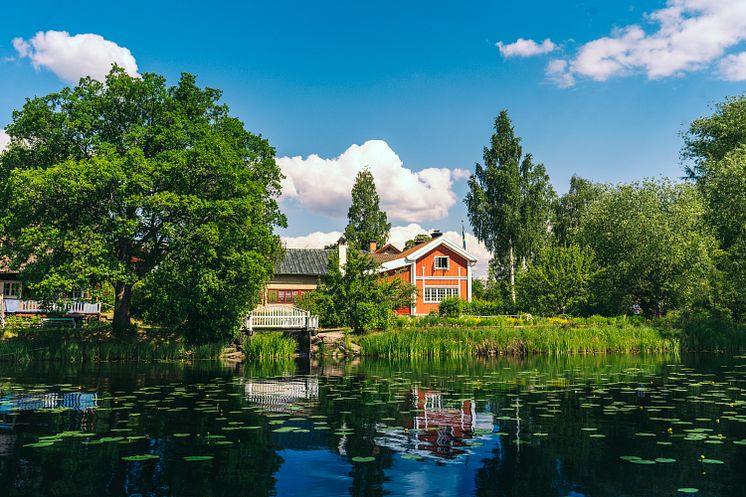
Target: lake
602 426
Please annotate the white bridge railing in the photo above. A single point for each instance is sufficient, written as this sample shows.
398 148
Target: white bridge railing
281 317
76 307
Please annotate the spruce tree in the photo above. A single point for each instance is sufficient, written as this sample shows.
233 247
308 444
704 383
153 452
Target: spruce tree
366 221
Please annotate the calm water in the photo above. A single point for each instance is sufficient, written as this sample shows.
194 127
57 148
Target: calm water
593 426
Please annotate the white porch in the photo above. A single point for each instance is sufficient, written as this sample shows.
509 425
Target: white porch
75 307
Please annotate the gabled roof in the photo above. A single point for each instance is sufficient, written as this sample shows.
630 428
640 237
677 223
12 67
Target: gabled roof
388 249
410 255
306 262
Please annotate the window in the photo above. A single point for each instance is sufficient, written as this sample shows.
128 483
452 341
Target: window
12 289
435 294
284 296
442 262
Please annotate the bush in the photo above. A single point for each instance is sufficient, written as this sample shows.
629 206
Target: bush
452 307
481 307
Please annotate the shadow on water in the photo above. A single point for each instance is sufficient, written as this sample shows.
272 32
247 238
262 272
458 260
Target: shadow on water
598 426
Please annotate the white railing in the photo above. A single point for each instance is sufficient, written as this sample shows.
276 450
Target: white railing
281 317
75 307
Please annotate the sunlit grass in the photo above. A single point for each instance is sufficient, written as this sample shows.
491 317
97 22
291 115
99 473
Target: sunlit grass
546 339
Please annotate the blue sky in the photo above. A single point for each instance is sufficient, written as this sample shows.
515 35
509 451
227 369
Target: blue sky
425 79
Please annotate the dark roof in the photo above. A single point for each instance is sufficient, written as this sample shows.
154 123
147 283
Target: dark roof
311 262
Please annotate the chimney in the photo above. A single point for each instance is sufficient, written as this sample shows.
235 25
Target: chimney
436 234
372 247
342 252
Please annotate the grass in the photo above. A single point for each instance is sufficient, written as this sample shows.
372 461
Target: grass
555 339
97 345
269 346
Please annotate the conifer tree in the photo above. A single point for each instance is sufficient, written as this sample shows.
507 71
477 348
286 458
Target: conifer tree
366 221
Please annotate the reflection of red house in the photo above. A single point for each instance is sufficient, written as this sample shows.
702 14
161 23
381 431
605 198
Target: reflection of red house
441 430
439 268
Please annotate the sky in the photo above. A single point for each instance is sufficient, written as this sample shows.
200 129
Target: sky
408 88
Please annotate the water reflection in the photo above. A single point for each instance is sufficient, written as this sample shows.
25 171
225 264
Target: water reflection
541 427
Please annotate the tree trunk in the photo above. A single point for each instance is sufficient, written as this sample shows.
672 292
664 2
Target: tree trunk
122 306
511 263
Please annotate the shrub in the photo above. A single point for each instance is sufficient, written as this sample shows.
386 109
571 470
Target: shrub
452 307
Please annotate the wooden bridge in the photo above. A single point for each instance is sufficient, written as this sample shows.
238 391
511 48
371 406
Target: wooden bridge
280 317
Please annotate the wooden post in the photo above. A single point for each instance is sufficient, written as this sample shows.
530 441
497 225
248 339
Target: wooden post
2 311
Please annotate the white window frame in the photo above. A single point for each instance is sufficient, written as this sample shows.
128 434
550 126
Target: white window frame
11 284
448 292
440 268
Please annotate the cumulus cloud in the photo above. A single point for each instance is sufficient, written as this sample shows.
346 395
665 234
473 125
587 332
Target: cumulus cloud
733 67
4 139
324 185
73 57
687 35
398 237
525 48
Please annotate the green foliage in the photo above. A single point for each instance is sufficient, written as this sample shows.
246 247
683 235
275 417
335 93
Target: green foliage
570 208
421 238
271 345
452 307
441 343
356 296
89 344
724 190
558 281
509 201
651 240
132 181
366 221
710 139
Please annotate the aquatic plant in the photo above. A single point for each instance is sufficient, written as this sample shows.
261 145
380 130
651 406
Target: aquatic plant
269 345
547 339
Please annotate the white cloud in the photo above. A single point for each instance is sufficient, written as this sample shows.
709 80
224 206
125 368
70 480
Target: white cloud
398 237
525 48
4 139
73 57
689 35
324 185
557 73
733 67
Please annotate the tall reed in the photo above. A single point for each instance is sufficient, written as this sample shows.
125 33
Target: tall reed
548 339
269 345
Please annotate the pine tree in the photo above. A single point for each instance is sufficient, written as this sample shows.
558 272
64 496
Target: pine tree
366 221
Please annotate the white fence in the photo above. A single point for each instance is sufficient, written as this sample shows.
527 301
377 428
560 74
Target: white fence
34 307
281 317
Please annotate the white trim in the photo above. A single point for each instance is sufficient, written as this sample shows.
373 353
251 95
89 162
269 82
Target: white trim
441 240
441 268
452 278
413 277
425 288
468 284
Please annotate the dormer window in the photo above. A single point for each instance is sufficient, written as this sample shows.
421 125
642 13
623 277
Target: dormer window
442 262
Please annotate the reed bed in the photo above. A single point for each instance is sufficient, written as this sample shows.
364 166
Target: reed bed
269 346
547 339
73 346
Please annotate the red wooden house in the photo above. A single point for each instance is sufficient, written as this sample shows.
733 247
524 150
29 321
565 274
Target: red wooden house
438 268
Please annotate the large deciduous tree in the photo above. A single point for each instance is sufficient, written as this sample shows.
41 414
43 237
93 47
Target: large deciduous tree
570 207
558 281
716 148
133 181
509 201
366 221
655 249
